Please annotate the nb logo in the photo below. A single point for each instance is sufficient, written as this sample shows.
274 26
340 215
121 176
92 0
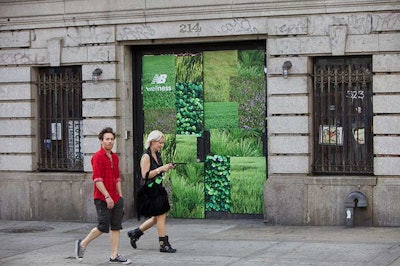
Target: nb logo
159 79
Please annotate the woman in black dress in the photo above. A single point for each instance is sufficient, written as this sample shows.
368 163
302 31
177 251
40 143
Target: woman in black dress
152 197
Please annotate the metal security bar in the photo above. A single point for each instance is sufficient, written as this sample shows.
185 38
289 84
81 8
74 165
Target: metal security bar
343 115
60 119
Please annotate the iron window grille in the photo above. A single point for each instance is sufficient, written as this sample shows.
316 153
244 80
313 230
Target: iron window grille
60 119
342 117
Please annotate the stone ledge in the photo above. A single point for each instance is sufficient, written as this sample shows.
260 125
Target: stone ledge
90 12
341 180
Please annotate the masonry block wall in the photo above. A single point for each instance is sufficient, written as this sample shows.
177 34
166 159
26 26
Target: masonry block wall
22 52
292 194
387 129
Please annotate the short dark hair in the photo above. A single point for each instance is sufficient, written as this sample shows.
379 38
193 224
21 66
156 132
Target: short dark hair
104 131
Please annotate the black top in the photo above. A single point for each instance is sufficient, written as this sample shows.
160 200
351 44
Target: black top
153 162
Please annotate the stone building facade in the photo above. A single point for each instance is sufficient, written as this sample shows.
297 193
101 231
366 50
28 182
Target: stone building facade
104 34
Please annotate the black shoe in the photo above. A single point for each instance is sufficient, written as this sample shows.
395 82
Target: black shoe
79 250
120 259
134 235
165 246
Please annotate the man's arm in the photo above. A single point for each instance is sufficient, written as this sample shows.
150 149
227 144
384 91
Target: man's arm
119 188
100 185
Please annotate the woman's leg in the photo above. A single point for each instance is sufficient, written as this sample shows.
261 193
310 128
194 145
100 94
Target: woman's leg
136 233
161 224
148 224
165 246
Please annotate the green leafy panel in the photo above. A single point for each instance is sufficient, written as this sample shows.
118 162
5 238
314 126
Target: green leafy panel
189 108
217 183
158 81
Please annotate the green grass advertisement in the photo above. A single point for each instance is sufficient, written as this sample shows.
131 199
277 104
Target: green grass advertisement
223 93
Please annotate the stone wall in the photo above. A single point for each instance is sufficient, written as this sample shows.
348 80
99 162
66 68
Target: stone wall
292 196
36 196
55 196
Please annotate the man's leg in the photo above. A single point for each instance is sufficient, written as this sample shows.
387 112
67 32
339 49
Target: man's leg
114 240
81 245
93 234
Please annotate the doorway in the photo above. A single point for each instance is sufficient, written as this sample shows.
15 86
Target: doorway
210 102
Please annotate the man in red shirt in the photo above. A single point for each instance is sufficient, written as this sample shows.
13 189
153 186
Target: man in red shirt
107 198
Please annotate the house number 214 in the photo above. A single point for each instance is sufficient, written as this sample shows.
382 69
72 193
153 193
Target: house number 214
187 28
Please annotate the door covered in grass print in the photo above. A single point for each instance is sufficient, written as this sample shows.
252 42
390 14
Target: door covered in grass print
211 107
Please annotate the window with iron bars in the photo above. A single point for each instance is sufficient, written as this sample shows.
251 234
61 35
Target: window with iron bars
60 119
342 117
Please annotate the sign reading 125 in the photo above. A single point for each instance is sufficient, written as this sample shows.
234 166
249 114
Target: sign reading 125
189 27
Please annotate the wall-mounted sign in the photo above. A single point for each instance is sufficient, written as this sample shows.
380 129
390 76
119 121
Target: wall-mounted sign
359 135
330 135
56 131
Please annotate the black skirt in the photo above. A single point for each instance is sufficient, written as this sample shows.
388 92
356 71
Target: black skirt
152 201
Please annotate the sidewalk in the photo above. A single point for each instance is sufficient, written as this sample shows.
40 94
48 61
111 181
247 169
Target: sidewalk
204 242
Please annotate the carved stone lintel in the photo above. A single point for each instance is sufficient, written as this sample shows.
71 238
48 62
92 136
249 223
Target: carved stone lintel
54 49
338 36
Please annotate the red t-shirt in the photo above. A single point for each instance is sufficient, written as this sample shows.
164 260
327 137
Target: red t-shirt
106 171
